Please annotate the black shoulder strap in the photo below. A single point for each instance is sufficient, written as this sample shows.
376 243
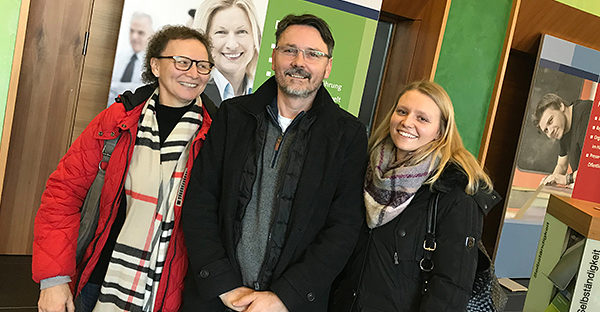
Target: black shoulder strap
209 105
429 243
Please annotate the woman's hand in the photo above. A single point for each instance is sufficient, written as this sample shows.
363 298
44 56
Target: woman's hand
56 299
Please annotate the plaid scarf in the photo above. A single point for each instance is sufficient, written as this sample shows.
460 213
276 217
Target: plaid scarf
390 186
155 178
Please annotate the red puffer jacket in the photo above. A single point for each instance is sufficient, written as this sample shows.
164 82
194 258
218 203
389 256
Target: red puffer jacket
57 220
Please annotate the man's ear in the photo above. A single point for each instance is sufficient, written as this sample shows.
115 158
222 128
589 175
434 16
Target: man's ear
328 68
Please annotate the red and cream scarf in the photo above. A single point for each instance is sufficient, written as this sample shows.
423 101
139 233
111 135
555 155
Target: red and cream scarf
152 184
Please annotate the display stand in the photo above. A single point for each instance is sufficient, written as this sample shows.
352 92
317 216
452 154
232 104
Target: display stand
565 264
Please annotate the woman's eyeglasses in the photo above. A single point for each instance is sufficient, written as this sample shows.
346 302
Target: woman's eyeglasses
184 63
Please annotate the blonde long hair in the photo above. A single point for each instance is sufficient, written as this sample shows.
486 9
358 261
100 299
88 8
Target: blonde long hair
209 8
448 148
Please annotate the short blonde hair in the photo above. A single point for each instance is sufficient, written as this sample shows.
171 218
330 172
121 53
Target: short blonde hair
205 13
448 148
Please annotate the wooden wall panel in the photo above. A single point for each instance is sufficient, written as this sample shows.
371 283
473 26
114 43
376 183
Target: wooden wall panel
548 16
410 9
98 64
45 104
398 65
505 135
413 54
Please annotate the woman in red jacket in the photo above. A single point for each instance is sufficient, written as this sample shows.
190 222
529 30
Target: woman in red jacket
136 259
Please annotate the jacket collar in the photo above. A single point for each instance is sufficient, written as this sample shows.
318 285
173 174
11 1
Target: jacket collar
127 115
132 99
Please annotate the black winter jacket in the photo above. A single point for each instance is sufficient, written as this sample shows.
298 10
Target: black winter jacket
322 188
383 274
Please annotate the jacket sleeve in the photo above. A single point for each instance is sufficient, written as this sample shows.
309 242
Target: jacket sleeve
308 281
212 272
56 224
455 261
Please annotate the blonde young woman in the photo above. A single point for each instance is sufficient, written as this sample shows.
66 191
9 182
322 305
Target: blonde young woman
414 154
234 33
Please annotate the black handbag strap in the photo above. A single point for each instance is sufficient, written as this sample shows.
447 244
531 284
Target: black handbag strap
429 244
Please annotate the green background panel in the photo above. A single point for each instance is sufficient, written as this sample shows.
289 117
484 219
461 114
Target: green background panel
590 6
9 18
353 37
469 59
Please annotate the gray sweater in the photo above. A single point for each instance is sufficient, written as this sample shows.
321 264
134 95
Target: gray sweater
256 223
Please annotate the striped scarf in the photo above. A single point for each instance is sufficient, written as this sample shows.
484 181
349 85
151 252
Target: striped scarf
154 179
390 186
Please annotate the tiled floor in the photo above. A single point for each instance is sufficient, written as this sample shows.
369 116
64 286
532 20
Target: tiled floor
18 293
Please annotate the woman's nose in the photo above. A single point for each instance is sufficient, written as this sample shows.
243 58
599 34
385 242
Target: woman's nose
231 42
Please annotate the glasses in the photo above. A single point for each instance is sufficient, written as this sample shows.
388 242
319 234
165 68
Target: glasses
184 63
309 55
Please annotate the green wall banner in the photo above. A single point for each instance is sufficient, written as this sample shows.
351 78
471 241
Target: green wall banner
469 60
353 24
9 19
590 6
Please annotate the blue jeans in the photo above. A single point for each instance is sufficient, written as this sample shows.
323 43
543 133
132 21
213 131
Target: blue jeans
88 297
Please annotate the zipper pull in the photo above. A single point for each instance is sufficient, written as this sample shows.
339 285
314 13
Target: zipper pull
278 142
396 258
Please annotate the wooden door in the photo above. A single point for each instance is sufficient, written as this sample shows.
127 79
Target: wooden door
43 118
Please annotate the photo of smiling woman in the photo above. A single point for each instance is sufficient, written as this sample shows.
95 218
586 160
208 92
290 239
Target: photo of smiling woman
415 154
235 33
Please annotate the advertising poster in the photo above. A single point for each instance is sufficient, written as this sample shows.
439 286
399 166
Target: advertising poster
236 30
559 148
353 24
243 41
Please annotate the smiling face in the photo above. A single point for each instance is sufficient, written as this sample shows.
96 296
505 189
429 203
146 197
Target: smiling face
230 32
176 87
414 123
553 122
295 76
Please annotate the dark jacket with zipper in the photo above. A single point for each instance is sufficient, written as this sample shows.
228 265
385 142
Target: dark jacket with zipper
384 274
57 220
318 210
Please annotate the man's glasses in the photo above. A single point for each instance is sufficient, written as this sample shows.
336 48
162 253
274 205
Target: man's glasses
184 63
309 55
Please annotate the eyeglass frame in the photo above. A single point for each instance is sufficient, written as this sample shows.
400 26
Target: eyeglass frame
192 62
320 54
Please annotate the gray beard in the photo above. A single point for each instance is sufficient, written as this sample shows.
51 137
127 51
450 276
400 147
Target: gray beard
299 93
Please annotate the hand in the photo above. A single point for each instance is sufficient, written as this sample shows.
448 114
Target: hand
233 296
260 301
554 179
56 299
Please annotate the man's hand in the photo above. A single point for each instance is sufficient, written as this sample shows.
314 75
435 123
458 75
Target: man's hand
555 179
233 296
260 301
56 299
